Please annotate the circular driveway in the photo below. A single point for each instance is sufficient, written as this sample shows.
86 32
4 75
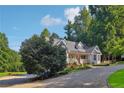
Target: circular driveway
91 78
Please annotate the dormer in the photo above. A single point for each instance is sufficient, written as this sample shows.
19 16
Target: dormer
96 50
79 45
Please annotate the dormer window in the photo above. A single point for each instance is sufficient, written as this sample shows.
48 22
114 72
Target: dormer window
97 48
79 45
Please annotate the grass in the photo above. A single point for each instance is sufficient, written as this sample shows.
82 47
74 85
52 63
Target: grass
102 64
116 79
11 73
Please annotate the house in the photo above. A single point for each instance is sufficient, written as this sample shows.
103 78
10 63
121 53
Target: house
79 53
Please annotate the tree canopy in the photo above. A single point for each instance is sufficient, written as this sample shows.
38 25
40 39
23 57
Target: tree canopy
10 60
45 33
40 56
108 28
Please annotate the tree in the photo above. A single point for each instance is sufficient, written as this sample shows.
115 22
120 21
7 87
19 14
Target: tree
9 59
40 56
45 33
80 29
3 40
70 31
82 26
108 29
54 35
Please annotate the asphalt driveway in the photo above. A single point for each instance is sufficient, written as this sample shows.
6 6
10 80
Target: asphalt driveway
91 78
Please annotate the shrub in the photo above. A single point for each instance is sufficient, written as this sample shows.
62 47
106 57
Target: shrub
41 57
65 71
73 69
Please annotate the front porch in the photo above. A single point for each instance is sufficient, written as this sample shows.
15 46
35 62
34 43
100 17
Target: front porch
77 57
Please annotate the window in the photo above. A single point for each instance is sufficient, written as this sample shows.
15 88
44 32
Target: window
99 57
94 57
71 56
83 57
97 48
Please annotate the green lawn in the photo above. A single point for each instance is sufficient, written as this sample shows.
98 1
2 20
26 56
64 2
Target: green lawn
116 79
11 73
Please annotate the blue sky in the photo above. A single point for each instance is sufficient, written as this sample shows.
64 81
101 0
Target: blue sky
21 22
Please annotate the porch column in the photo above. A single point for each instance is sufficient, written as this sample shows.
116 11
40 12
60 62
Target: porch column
67 57
78 57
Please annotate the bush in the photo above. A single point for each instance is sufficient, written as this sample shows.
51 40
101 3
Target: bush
73 69
41 57
65 71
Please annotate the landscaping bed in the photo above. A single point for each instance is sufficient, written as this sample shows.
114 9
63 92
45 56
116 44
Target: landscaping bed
73 69
116 79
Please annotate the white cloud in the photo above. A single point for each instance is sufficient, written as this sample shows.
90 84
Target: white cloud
70 13
48 20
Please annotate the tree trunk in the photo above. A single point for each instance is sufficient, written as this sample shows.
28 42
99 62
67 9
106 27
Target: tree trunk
104 58
108 57
112 58
115 58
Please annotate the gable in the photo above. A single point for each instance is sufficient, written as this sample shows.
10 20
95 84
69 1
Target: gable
96 50
78 45
62 43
